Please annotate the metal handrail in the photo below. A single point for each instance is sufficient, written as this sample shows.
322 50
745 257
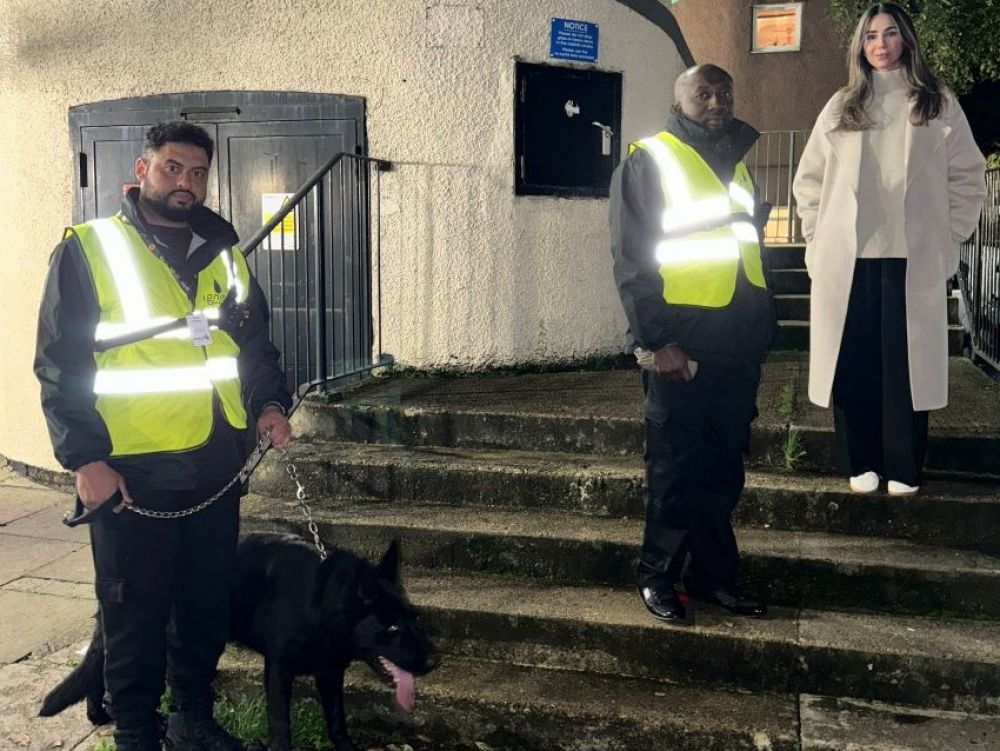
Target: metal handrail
327 281
772 162
289 206
979 278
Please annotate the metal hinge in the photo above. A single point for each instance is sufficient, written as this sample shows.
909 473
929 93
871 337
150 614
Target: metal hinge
83 169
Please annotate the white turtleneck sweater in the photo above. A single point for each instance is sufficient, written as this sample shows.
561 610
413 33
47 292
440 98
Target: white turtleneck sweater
882 182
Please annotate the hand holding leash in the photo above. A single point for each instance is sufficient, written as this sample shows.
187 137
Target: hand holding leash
97 483
81 515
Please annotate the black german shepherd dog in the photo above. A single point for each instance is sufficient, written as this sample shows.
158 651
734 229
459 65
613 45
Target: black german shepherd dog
305 617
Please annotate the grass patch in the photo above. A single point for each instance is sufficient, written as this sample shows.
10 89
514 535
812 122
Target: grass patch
787 407
105 745
791 449
246 718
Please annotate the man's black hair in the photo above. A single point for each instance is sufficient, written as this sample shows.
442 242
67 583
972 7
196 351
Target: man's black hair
179 131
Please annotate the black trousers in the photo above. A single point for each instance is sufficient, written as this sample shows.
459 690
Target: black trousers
163 593
876 426
696 435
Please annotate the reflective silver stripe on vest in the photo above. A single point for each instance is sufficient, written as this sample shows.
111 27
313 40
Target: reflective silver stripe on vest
166 380
232 277
115 247
106 330
684 211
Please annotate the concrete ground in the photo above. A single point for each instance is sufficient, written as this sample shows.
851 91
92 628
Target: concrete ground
46 606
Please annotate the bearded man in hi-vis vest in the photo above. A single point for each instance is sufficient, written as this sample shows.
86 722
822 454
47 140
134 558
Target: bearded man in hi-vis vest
154 357
685 237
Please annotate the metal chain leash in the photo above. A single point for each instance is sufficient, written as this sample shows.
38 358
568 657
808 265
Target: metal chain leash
300 496
262 447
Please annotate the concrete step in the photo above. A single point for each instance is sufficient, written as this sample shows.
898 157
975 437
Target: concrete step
948 514
468 701
790 281
792 307
786 256
791 568
939 663
794 334
600 413
796 308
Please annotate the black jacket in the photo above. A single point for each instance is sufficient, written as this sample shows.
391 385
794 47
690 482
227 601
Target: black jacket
65 366
740 332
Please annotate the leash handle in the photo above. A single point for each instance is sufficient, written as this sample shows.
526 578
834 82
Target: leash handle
80 514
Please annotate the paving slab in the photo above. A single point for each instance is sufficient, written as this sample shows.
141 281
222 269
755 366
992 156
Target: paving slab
20 555
20 499
22 686
78 566
34 623
54 587
836 724
47 524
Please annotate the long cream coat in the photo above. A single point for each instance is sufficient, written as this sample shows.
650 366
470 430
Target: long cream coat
945 189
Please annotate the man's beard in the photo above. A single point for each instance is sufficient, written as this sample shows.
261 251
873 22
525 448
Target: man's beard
168 212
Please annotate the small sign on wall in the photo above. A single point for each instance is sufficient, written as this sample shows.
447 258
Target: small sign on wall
573 40
283 236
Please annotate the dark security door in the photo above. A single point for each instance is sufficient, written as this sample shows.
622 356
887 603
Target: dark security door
567 123
315 272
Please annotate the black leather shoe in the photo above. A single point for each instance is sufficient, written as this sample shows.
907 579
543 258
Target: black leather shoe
662 601
732 601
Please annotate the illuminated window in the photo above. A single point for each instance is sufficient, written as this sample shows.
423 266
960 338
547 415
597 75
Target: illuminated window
777 28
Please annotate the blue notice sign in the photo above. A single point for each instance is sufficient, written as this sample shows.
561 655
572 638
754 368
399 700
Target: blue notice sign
573 40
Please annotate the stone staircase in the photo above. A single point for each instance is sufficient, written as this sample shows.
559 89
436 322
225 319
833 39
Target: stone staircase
791 289
518 502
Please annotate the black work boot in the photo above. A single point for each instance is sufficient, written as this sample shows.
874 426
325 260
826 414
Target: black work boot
143 738
191 726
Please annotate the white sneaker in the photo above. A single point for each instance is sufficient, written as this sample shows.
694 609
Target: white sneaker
901 488
864 483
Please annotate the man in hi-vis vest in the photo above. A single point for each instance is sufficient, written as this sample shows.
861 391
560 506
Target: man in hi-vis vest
153 356
687 261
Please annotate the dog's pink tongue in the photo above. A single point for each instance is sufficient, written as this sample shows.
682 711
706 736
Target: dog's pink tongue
406 690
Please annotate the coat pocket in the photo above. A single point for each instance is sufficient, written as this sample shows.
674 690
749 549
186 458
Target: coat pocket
110 590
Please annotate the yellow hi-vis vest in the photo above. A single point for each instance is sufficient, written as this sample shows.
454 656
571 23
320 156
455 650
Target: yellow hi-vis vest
700 267
156 394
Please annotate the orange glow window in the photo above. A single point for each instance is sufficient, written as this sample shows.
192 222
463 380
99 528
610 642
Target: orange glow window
777 28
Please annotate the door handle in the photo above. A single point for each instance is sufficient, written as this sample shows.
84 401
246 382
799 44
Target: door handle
606 134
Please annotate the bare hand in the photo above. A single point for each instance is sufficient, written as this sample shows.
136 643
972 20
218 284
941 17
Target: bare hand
96 483
272 421
671 363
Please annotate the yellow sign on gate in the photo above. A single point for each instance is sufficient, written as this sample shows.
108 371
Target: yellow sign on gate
282 237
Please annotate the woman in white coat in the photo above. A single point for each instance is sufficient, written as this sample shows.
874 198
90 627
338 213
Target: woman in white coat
890 183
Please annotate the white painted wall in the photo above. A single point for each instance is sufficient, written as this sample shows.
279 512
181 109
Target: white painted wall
472 276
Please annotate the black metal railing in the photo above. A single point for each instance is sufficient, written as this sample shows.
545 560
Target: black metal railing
979 278
318 261
772 163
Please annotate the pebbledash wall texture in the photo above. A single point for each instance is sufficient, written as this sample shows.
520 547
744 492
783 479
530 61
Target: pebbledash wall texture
473 276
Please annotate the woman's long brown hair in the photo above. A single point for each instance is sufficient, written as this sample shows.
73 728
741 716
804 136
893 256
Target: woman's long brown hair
924 89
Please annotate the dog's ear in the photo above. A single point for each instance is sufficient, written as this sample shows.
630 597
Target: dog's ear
388 566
